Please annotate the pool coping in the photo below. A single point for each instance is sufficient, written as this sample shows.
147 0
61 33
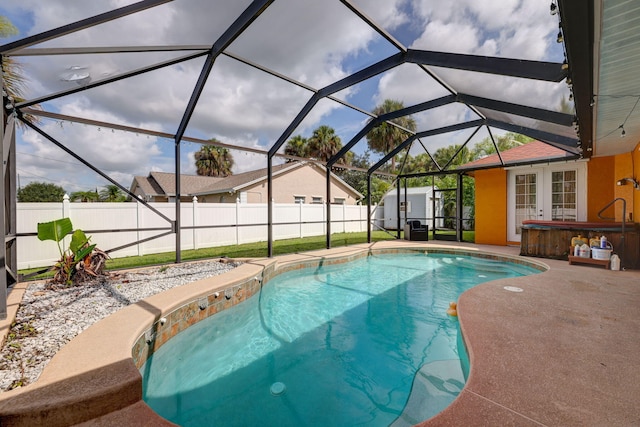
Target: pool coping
94 380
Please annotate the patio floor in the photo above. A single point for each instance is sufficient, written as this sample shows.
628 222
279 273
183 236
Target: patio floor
562 352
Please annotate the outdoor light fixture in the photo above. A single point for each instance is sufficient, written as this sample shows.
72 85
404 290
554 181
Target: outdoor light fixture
554 8
624 181
565 65
560 38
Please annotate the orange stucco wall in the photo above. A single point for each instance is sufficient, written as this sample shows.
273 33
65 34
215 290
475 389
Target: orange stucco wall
624 169
491 207
636 174
603 174
600 186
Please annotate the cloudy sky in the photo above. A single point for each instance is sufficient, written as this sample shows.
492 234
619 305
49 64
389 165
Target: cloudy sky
314 42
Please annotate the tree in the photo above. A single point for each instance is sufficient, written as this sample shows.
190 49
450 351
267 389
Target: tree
446 155
296 146
385 137
40 192
214 161
504 142
112 193
85 196
324 143
355 178
13 81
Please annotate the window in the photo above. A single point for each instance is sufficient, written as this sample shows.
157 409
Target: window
339 201
299 199
563 196
316 200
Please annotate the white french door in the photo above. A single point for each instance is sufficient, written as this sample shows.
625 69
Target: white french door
552 193
525 200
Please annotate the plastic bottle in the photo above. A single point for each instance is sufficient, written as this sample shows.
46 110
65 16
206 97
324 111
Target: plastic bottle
603 242
585 251
576 250
615 262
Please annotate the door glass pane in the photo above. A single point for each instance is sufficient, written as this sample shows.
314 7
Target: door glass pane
563 197
526 199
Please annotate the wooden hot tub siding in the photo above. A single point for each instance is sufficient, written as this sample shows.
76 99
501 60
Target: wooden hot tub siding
552 239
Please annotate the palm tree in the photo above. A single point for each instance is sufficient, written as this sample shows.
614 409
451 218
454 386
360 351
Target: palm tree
296 146
324 143
84 196
112 193
385 137
13 82
214 161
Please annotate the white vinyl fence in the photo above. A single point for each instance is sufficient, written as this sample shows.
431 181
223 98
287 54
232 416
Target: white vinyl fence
93 217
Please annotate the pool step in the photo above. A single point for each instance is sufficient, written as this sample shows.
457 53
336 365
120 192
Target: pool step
431 392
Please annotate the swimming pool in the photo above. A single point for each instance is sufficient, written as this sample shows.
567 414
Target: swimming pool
366 343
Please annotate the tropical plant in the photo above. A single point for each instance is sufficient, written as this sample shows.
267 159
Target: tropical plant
324 143
385 137
81 261
214 161
112 193
40 192
14 82
85 196
296 146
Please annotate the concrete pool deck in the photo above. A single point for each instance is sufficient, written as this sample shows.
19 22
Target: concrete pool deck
564 351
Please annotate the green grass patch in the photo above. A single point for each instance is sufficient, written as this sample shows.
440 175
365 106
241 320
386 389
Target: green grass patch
247 250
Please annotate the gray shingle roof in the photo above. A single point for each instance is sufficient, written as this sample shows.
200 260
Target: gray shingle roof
163 183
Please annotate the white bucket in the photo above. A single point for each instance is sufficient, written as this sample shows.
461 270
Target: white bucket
598 253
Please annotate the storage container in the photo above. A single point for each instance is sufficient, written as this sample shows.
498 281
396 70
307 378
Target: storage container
599 253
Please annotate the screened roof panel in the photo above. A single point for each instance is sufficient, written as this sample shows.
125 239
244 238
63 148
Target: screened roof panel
566 133
177 22
533 93
444 116
241 101
257 86
60 73
523 30
312 47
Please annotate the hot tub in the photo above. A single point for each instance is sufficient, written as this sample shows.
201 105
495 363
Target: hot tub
552 239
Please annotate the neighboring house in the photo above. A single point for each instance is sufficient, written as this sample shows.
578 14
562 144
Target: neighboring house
296 182
552 190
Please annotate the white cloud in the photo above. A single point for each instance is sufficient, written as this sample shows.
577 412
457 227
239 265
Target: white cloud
315 42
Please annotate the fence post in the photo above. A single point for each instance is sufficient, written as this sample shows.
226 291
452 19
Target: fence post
194 209
324 218
66 207
139 218
237 220
300 219
344 218
66 213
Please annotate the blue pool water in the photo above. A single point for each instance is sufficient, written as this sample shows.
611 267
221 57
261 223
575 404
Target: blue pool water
364 343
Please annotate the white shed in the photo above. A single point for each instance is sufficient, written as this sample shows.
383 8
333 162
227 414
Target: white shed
419 206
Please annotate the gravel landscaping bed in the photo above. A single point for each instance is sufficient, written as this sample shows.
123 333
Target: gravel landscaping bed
48 318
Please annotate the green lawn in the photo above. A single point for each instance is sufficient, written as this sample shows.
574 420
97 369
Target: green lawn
247 250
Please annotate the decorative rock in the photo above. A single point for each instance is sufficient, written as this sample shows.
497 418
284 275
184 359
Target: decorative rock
48 319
